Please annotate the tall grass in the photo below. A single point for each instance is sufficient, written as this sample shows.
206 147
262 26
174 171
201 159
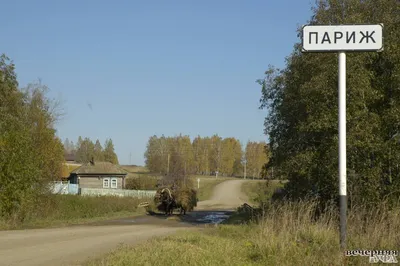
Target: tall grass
66 209
259 191
285 234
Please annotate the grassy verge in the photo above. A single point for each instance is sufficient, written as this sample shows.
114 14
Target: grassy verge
259 190
286 235
207 185
61 210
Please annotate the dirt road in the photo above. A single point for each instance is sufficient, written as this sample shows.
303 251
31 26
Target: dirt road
69 245
226 196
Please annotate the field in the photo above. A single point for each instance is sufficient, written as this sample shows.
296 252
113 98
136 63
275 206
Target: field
60 210
136 171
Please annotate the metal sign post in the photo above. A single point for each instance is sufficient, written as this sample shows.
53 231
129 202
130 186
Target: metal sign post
342 38
342 148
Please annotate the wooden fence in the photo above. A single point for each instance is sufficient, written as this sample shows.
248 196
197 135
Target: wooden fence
117 192
59 187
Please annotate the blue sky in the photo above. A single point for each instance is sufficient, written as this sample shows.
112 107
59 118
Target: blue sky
152 67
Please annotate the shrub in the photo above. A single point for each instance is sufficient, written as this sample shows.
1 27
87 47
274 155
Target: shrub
51 209
141 183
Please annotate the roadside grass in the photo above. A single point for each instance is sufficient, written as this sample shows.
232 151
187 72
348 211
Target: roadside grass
61 210
285 235
259 190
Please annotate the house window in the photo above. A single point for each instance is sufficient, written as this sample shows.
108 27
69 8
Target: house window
114 183
106 182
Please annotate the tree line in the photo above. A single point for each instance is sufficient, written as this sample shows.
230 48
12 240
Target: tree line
31 154
302 100
205 156
85 150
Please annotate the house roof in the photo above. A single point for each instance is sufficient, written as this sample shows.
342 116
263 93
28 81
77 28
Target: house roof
100 168
69 157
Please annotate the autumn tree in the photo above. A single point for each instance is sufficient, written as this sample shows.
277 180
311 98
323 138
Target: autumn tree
256 157
231 154
238 155
215 153
202 156
156 155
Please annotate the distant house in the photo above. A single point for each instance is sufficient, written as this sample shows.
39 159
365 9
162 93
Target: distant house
99 175
69 157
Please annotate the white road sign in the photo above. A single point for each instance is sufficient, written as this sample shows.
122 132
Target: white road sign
330 38
342 38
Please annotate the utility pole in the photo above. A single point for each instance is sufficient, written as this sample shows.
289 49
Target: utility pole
245 164
168 165
185 174
130 158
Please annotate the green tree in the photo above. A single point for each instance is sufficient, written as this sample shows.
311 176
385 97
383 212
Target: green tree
79 154
109 153
85 151
98 151
302 104
42 114
30 153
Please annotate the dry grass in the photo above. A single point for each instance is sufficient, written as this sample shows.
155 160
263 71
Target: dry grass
286 235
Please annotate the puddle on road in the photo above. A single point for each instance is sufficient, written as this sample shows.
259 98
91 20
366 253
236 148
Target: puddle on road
213 218
193 218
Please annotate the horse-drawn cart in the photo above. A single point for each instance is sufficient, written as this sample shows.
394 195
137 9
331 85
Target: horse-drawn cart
167 199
